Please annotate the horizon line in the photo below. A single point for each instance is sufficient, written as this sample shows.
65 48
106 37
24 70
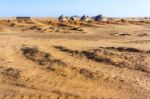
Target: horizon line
73 15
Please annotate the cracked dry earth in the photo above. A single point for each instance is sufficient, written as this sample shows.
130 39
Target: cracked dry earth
70 66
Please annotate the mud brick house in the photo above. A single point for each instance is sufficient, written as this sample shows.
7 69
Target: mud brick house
23 18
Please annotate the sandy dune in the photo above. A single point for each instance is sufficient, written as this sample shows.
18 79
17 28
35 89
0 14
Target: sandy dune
41 60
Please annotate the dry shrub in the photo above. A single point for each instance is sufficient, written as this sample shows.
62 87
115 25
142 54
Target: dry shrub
42 58
77 23
123 21
121 57
35 28
1 29
9 72
74 22
77 29
124 49
53 23
12 25
90 22
89 74
108 22
142 34
5 23
28 22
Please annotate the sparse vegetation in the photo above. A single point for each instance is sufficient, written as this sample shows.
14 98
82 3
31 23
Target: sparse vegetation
73 59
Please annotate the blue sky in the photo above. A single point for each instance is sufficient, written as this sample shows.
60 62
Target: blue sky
117 8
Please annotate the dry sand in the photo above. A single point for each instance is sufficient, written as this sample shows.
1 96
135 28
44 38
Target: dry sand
40 60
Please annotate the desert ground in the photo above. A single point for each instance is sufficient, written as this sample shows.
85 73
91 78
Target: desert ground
41 59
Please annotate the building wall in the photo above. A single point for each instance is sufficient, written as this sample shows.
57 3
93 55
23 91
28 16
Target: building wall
23 18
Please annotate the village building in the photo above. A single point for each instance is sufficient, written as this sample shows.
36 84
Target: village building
62 18
98 18
85 18
75 18
23 18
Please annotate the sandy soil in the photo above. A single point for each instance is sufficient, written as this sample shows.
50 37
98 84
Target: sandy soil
40 61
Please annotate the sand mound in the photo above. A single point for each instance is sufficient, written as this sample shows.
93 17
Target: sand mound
123 49
35 28
56 65
40 26
41 58
112 56
5 23
24 22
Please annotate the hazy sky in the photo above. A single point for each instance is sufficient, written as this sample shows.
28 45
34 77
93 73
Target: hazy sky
74 7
